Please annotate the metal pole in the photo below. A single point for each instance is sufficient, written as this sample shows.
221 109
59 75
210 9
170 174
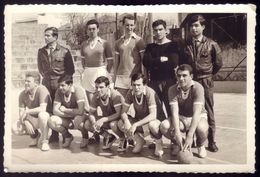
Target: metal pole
150 21
116 26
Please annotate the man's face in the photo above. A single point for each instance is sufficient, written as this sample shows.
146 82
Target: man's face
196 29
101 89
138 86
129 26
64 88
92 30
49 38
159 32
29 83
184 78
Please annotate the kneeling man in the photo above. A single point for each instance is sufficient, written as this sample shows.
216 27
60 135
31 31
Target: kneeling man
148 110
110 102
34 110
69 106
186 99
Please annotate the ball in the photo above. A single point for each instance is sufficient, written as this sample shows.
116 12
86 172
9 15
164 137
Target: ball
184 157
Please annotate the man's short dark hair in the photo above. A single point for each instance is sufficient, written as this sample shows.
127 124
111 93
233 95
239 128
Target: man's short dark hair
185 67
66 78
102 79
55 31
159 22
138 76
35 75
195 18
129 17
91 22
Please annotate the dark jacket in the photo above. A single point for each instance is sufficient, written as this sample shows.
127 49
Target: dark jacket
61 63
208 60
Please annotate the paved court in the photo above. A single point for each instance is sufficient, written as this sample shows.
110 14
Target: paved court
230 110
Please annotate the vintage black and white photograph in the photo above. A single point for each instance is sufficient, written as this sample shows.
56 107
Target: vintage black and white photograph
163 88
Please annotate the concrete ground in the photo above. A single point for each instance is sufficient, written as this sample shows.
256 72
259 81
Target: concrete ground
230 111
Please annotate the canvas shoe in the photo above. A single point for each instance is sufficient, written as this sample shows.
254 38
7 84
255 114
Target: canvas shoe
202 152
45 146
158 148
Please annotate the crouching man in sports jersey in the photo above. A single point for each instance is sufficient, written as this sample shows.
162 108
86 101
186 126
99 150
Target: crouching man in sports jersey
34 110
148 109
186 99
110 101
69 106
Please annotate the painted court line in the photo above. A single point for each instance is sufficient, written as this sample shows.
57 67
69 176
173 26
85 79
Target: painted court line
232 128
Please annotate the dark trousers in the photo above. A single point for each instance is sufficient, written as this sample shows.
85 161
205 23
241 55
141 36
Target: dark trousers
161 88
208 85
52 85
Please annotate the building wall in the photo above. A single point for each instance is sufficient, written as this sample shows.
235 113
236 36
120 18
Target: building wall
27 38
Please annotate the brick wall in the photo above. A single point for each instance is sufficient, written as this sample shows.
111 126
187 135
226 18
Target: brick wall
27 38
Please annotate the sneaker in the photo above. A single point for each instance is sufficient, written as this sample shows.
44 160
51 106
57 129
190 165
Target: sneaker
84 143
94 139
139 143
158 148
122 145
67 142
202 152
213 147
45 147
175 149
108 141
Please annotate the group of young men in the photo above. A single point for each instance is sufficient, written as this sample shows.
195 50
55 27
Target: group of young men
145 78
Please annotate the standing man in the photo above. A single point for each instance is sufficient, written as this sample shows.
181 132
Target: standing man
203 54
97 58
97 61
54 61
69 106
160 60
188 113
35 109
148 111
110 102
129 51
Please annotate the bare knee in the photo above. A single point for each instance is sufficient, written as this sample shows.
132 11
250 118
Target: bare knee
154 125
113 125
53 121
43 116
164 127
